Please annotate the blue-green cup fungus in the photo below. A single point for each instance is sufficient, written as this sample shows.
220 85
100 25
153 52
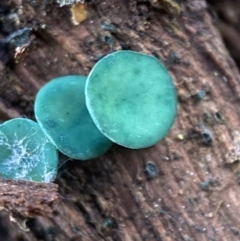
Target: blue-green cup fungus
61 112
25 152
131 98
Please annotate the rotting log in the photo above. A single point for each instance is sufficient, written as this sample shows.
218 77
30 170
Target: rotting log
195 195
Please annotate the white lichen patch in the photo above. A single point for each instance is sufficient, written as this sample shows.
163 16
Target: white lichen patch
233 154
68 2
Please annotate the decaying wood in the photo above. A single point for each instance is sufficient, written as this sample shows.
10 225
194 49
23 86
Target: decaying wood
227 19
29 199
23 200
195 192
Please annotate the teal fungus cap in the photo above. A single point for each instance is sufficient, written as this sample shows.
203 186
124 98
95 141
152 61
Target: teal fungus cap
131 98
61 112
25 152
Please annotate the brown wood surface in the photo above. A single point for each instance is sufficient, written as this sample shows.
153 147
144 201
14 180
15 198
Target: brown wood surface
196 193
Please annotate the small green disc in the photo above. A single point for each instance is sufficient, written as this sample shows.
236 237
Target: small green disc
131 98
61 112
25 152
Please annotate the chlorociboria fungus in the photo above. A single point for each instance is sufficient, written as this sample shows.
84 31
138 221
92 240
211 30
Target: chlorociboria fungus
61 112
128 98
131 99
25 152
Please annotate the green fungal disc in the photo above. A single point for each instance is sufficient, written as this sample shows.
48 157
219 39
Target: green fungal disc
131 98
25 152
61 111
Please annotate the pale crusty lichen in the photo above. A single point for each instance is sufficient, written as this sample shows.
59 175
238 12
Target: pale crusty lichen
68 2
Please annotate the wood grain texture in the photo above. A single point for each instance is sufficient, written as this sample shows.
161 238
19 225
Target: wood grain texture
29 199
196 193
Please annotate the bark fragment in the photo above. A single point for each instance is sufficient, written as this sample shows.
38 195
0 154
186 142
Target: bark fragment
28 199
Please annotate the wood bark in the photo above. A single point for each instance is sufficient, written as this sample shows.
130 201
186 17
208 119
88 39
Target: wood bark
195 195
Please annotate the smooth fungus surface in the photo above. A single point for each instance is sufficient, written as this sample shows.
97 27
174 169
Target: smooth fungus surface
61 111
131 98
25 152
